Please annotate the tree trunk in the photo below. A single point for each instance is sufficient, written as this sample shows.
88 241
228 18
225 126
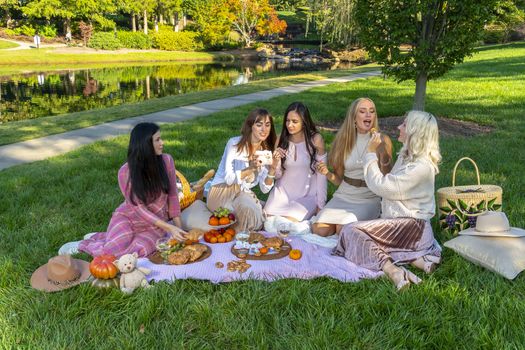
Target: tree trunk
421 91
145 22
307 25
67 26
8 20
133 23
148 90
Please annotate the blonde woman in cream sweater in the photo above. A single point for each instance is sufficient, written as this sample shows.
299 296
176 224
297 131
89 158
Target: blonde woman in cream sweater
403 233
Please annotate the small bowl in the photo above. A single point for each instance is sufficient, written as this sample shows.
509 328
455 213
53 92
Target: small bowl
242 236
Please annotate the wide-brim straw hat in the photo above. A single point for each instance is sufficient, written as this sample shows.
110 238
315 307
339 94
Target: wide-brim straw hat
493 224
60 272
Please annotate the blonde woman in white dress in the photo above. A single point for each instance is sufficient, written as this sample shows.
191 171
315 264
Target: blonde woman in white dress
353 200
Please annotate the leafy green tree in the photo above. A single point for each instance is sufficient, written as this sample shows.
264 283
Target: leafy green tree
507 14
170 8
214 29
7 7
421 39
68 10
131 7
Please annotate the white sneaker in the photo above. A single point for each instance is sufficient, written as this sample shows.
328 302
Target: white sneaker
89 235
69 248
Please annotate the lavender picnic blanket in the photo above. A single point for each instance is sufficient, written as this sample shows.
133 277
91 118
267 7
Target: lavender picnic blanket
316 262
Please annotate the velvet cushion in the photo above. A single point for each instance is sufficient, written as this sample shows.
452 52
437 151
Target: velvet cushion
196 216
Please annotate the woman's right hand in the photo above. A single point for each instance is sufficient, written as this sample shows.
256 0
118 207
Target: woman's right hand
278 154
177 233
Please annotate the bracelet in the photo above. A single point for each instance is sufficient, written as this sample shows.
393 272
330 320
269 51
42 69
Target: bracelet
270 176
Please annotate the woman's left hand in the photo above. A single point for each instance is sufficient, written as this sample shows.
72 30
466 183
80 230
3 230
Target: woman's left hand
374 142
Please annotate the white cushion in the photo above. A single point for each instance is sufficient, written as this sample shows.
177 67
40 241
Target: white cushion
196 215
503 255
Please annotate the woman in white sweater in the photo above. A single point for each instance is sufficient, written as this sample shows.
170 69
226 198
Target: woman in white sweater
240 171
403 233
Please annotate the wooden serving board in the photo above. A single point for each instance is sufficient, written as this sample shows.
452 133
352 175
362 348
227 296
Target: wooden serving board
156 258
284 251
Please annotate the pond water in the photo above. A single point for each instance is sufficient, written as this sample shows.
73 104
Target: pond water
52 93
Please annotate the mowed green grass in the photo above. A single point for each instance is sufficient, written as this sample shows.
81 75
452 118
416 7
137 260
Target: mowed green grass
7 44
460 306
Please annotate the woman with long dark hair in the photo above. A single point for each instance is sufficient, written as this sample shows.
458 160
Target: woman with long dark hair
239 171
148 182
300 190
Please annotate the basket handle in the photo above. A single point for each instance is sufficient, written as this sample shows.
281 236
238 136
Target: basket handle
185 184
456 166
458 207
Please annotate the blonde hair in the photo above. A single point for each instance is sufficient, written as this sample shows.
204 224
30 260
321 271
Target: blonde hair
422 138
346 136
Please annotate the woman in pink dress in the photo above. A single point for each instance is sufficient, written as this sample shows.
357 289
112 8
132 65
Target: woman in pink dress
300 191
148 183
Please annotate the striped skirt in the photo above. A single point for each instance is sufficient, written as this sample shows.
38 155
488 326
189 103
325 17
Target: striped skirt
371 244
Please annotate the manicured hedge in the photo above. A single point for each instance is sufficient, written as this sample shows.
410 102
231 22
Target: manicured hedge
176 41
134 40
104 41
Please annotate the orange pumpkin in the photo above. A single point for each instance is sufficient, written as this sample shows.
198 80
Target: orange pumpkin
295 254
102 267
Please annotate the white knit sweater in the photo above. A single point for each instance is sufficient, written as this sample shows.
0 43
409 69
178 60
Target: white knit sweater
407 191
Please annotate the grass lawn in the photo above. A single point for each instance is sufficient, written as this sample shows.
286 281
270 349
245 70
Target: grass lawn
7 44
460 306
33 128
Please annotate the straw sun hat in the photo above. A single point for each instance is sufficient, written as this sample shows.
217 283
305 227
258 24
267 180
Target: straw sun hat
60 272
493 224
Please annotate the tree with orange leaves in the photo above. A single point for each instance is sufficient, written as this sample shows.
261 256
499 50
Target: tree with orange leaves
253 16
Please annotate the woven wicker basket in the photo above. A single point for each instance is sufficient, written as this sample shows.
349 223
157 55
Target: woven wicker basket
466 201
192 192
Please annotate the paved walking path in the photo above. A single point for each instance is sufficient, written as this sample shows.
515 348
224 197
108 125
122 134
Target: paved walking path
49 146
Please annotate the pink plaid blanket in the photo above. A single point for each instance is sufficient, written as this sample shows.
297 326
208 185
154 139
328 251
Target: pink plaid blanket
316 262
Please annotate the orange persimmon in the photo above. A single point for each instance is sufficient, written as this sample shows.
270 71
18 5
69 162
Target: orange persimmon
224 220
295 254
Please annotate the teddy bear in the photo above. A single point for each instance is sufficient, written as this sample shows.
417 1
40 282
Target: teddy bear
131 276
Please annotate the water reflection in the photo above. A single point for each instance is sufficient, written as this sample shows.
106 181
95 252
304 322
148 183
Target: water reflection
53 93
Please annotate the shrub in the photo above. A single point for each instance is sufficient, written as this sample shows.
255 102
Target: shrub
172 41
104 41
25 30
47 31
9 32
494 34
134 40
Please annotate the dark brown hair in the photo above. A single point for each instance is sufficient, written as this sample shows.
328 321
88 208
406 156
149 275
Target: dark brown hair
257 115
